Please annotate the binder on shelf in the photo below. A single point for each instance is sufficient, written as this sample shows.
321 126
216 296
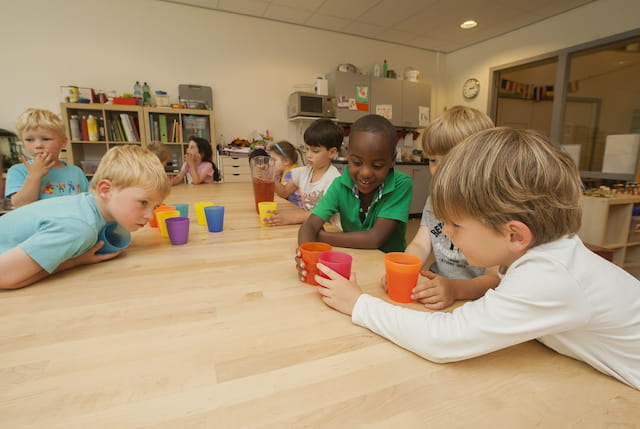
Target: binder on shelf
134 125
162 119
152 135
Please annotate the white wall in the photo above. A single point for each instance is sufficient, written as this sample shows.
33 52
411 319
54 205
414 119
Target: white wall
593 21
251 64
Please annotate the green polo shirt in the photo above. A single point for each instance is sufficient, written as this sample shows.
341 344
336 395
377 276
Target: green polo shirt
392 203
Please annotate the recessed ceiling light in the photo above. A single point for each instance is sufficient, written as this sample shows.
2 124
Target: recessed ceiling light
470 23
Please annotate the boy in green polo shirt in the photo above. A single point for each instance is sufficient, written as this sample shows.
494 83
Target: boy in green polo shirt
372 199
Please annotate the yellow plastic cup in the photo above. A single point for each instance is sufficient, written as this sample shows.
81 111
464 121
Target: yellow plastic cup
202 220
264 207
162 216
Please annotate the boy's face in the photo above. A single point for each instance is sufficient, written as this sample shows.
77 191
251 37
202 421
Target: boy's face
131 207
434 162
43 140
481 245
319 156
370 159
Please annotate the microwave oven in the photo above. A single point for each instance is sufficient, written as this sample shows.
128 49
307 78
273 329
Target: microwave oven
310 104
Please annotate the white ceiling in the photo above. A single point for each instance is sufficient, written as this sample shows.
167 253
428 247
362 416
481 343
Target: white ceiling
425 24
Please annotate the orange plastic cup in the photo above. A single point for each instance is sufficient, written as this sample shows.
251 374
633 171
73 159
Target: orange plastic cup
154 222
402 270
309 253
162 217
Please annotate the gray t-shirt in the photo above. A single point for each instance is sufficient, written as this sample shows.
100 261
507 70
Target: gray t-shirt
449 261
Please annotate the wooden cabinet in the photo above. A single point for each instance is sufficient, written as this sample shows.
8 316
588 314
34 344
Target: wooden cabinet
235 168
607 228
85 151
421 178
123 124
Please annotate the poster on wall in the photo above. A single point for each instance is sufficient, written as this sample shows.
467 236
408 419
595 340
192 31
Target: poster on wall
385 110
423 116
362 97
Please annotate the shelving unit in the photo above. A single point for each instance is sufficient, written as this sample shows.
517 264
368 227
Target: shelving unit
177 126
109 120
606 228
173 127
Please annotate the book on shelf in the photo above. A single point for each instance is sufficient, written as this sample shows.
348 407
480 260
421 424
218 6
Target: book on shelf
128 128
162 119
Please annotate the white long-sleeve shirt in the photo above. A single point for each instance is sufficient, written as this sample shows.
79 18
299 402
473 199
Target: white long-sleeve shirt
560 293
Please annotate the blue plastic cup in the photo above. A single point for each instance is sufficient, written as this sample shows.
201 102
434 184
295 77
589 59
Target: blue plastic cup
183 209
215 218
114 237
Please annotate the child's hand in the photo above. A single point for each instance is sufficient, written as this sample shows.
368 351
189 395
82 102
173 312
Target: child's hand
300 265
338 292
42 163
280 218
383 282
89 257
436 293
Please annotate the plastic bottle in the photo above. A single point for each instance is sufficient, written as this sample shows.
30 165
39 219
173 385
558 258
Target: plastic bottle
137 92
92 128
146 94
376 70
74 127
385 69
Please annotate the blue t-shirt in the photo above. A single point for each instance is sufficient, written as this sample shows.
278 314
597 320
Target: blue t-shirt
54 230
67 180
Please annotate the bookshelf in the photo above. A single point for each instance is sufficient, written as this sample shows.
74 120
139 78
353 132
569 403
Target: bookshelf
115 125
173 127
125 124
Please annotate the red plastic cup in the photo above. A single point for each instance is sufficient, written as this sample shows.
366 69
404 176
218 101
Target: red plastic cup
309 253
402 270
339 262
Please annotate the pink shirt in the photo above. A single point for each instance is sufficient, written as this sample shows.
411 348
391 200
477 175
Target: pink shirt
204 167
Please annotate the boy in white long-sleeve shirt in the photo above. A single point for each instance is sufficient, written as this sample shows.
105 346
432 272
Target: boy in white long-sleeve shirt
509 198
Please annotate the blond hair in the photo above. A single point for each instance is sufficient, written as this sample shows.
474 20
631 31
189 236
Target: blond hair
129 166
161 150
503 174
453 126
31 119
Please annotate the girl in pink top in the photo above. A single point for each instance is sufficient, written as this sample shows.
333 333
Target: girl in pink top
198 164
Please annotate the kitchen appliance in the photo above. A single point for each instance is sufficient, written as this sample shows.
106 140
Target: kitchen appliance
310 104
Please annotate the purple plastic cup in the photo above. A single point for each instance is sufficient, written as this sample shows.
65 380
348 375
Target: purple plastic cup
178 229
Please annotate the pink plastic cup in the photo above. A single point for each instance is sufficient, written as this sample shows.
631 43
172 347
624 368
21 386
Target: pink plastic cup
339 262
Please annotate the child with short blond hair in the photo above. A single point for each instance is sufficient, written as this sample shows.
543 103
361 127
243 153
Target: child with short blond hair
450 277
60 233
45 176
509 198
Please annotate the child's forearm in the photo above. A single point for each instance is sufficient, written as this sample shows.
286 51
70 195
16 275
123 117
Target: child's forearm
309 231
29 192
354 240
474 288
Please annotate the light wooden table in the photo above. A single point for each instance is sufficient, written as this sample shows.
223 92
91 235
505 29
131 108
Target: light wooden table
220 333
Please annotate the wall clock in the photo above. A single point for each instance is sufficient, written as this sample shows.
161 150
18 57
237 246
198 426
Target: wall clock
471 88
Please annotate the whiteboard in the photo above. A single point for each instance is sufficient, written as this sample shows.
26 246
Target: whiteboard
621 154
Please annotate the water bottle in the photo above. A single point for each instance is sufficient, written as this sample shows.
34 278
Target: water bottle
137 92
146 94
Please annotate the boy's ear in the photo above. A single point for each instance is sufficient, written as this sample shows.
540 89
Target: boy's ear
104 188
520 236
65 140
333 152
